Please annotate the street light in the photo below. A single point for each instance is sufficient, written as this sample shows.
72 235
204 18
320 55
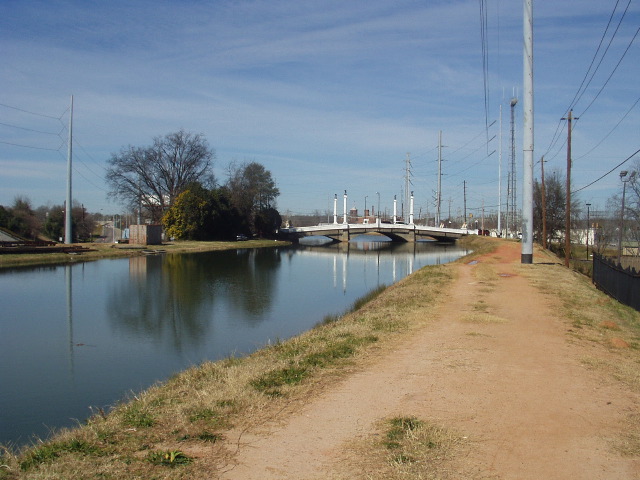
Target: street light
364 214
625 179
588 229
378 193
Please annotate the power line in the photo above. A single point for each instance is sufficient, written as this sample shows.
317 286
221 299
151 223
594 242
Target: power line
485 64
33 113
613 72
614 168
580 91
612 130
35 148
32 130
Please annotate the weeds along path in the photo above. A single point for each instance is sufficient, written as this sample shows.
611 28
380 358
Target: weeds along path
498 372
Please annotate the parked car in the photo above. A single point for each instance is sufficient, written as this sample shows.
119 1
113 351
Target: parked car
241 238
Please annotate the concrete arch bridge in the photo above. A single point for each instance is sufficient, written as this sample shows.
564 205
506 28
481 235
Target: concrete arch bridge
397 232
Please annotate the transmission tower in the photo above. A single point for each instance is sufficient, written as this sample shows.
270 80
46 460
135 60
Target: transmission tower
407 188
511 183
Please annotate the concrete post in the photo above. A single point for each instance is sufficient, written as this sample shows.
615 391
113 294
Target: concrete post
395 209
411 209
344 220
335 208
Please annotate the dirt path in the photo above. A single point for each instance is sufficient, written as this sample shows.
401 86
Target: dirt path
495 365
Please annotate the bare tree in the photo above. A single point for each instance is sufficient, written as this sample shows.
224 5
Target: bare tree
153 177
556 200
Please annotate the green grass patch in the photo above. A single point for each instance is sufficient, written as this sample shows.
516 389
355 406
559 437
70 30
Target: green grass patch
50 451
399 427
136 416
172 458
271 382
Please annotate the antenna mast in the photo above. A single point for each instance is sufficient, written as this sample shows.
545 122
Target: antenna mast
439 193
67 221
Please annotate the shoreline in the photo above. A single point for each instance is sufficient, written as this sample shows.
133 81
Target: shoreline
97 251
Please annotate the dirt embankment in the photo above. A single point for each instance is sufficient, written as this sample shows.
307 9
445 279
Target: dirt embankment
528 386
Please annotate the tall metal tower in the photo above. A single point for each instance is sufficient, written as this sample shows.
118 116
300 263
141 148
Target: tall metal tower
439 192
511 184
407 188
68 238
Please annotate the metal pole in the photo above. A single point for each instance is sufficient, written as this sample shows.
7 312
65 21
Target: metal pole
464 197
499 180
439 193
624 185
67 220
511 188
623 175
335 208
544 206
527 137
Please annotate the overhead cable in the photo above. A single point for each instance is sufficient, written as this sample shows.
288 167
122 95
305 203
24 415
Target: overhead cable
614 168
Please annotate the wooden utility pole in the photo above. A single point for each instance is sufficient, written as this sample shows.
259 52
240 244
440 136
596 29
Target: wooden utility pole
567 222
544 208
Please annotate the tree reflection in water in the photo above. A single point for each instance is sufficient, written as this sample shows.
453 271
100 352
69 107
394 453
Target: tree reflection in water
172 298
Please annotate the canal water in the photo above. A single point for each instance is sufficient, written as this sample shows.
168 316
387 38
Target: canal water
86 335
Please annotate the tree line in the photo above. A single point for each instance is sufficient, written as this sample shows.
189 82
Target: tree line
172 182
32 223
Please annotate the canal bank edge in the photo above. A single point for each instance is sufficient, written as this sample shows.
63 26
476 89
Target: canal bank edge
200 423
87 252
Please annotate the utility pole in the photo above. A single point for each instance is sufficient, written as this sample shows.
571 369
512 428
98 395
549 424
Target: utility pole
544 207
68 239
464 188
407 181
499 177
588 229
567 219
526 256
511 194
439 193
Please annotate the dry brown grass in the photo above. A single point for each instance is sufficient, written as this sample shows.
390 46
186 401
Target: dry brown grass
594 318
628 444
406 447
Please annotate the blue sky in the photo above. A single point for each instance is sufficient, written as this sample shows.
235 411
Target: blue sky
327 95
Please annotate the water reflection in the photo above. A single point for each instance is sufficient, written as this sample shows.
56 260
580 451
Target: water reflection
174 296
86 334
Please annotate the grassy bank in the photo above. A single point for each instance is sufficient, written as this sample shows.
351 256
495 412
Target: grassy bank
183 428
98 251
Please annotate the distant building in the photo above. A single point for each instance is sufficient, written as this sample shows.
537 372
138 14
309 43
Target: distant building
145 234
